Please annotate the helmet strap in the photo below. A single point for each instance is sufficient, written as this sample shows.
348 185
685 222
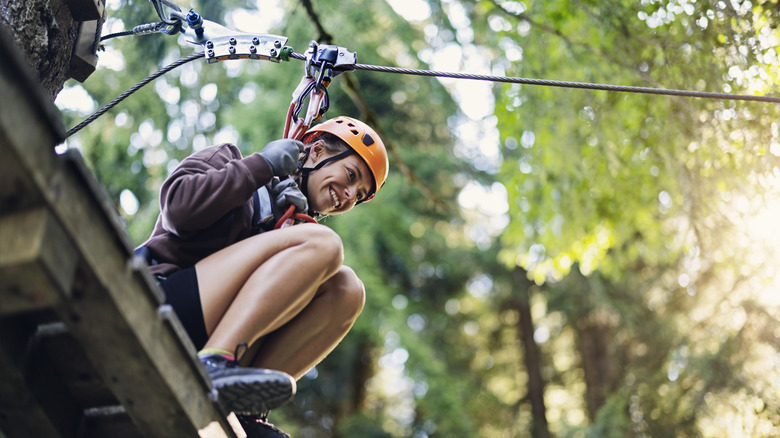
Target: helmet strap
305 171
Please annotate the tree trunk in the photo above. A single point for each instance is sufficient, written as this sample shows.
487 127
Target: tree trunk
597 358
45 32
595 326
532 355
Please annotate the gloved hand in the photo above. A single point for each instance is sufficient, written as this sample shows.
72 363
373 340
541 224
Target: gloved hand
282 155
286 193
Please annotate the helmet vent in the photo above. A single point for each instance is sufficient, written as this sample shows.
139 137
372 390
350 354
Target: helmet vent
354 131
367 140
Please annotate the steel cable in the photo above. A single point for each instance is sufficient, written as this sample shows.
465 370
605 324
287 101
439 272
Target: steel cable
132 90
560 84
453 75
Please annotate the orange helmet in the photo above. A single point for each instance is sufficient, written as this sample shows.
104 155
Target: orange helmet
362 139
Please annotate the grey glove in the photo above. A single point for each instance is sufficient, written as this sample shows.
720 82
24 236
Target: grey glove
286 193
282 156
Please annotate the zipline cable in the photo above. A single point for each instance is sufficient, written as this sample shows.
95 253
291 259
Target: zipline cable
561 84
132 90
453 75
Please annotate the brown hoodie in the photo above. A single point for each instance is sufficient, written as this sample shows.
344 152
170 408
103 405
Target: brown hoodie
205 205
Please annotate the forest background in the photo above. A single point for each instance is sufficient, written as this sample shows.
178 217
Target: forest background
542 261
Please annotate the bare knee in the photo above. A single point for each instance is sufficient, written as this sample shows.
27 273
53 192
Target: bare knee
327 245
347 293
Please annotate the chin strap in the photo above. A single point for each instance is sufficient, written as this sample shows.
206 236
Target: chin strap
306 171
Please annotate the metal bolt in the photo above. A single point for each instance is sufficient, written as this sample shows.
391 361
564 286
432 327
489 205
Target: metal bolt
233 41
273 52
232 50
209 44
211 53
277 44
256 41
252 49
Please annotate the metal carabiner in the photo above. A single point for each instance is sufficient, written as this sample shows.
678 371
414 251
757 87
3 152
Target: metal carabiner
322 63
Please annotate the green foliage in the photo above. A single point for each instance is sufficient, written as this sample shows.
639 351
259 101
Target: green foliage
637 216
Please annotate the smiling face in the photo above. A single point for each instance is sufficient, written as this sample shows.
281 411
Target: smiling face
339 185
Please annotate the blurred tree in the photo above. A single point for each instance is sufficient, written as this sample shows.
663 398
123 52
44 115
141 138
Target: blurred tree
621 202
614 289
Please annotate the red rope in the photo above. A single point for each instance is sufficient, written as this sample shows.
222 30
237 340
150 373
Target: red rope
288 120
296 132
291 216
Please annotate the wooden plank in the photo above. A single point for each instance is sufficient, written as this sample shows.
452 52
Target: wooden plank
84 59
110 421
114 312
91 14
112 307
17 190
37 261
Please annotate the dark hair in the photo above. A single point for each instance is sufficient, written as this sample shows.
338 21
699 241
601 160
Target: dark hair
332 144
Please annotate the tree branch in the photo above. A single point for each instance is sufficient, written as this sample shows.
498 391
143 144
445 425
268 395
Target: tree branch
368 116
553 31
324 36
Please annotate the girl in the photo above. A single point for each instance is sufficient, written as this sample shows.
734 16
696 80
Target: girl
281 296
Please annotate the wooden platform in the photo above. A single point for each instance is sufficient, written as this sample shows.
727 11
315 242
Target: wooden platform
86 347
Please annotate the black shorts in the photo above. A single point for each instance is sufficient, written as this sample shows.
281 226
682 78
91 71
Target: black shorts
182 293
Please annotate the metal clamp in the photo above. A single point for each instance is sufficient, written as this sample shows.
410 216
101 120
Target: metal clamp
335 59
221 43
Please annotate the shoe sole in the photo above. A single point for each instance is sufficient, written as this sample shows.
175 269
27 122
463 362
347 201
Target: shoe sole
250 396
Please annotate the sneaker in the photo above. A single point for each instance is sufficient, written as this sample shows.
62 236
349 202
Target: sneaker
247 391
259 427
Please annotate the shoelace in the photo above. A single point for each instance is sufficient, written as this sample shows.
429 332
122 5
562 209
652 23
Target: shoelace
236 357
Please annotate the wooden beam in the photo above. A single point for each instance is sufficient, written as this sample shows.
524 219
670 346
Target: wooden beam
111 307
37 261
84 59
90 14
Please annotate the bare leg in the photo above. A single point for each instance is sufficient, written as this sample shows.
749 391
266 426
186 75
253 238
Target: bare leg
303 342
255 286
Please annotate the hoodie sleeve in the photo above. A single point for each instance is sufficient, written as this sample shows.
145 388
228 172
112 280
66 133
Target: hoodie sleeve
208 185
